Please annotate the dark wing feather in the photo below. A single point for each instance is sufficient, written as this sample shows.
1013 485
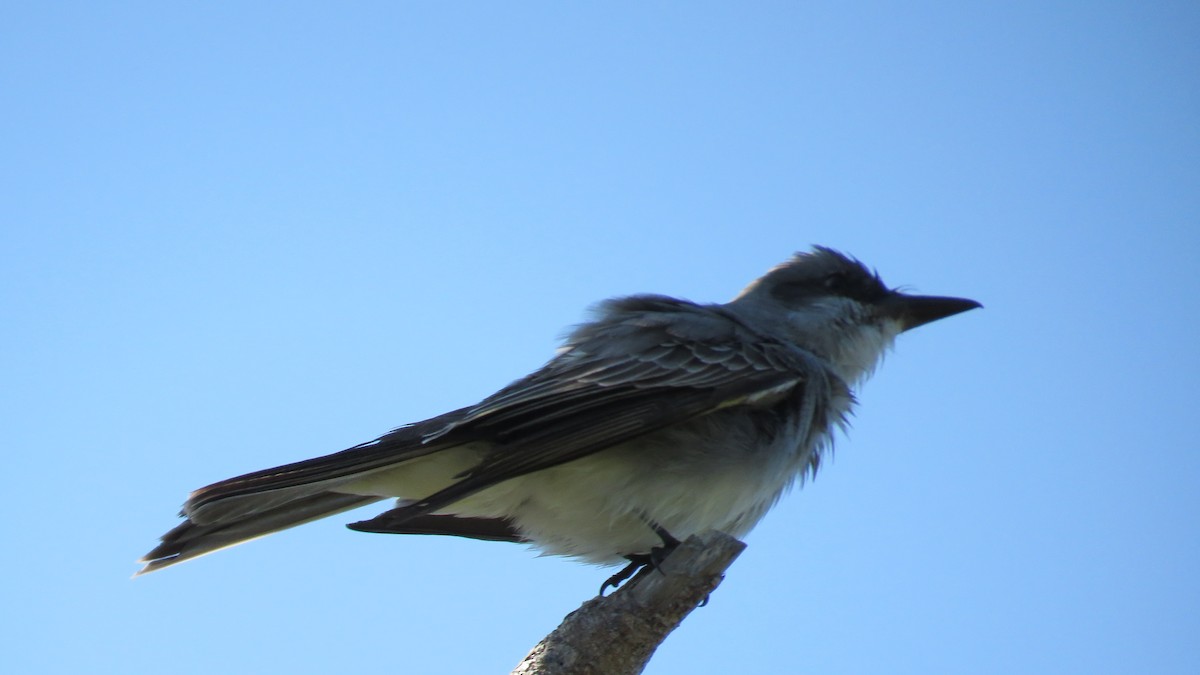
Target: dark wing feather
617 381
402 444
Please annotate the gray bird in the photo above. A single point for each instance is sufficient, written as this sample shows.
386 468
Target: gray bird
658 419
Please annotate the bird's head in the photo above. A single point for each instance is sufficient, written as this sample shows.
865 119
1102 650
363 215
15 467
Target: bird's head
834 306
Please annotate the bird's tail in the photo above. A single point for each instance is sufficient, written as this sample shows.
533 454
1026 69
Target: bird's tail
191 539
256 504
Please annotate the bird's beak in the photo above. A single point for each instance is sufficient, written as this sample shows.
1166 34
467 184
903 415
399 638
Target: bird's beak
917 310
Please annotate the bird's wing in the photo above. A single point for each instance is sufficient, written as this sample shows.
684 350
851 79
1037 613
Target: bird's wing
269 488
619 379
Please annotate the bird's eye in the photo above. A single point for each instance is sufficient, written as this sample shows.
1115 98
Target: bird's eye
836 282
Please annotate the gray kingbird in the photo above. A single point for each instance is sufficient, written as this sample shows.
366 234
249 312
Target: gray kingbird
657 419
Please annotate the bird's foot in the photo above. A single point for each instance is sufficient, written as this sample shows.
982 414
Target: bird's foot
643 562
636 564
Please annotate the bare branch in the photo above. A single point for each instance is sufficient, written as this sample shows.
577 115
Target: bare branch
617 634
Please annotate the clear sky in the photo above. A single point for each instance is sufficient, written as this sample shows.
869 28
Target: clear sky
240 234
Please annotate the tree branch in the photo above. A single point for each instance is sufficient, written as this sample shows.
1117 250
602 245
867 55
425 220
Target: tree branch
617 634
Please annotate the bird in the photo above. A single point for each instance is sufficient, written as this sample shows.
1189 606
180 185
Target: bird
657 419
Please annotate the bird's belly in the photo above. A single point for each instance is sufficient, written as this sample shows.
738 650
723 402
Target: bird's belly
604 506
722 471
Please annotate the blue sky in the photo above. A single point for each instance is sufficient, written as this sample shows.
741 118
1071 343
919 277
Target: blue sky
237 235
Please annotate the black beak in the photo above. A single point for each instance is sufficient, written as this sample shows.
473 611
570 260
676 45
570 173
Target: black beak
918 310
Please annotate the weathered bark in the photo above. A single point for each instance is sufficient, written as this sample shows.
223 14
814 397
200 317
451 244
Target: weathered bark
617 634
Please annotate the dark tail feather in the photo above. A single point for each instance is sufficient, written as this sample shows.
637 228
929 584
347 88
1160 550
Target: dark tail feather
191 540
399 521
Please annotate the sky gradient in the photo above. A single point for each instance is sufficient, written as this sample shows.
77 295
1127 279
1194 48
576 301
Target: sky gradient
238 235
